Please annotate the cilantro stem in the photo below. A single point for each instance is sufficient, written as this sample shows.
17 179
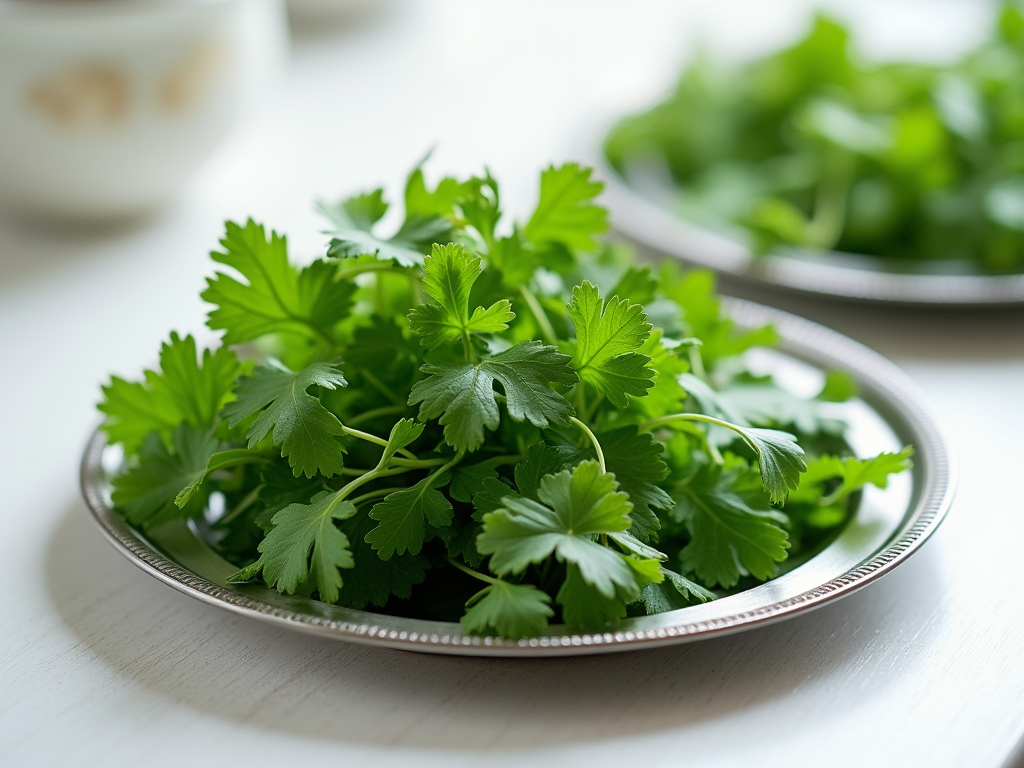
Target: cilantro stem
376 441
592 407
380 266
467 348
362 480
697 362
240 507
546 329
386 410
417 463
593 439
475 574
449 465
381 387
661 421
376 494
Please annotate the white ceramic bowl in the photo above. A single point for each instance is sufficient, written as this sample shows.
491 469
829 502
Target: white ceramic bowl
107 106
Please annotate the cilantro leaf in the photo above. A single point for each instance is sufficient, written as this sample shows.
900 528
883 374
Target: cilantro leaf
220 460
666 394
373 581
278 297
305 549
673 593
607 340
853 474
566 212
448 277
185 390
422 203
703 317
577 504
636 461
726 532
779 458
587 607
146 492
470 480
764 403
464 397
637 284
352 223
491 496
306 431
541 460
402 516
510 610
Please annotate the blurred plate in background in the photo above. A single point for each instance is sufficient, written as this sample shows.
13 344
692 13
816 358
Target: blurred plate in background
654 227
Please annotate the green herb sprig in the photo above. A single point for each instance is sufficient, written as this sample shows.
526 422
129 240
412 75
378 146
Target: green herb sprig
815 149
503 425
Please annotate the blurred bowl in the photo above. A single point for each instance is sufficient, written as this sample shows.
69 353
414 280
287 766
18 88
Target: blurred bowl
107 106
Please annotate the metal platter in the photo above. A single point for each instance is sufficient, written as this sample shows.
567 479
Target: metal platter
889 526
843 275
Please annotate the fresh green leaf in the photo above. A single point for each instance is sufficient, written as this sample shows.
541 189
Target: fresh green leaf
373 581
726 532
352 232
464 397
510 610
673 593
577 504
147 491
607 340
566 212
185 390
541 460
306 431
305 548
448 277
402 516
278 297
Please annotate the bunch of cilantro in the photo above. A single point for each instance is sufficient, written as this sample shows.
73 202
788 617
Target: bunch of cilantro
464 420
813 149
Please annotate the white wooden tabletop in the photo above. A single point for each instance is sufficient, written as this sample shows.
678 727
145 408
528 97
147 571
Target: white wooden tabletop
100 664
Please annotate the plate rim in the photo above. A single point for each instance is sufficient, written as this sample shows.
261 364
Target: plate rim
800 338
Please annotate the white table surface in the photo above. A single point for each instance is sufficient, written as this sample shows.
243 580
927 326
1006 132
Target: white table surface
100 664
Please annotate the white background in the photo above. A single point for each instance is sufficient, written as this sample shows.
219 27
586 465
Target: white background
101 664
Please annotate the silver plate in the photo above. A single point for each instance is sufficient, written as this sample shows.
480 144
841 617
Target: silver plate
849 276
889 526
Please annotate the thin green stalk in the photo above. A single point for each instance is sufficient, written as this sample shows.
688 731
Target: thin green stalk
381 266
588 414
359 482
244 504
417 463
380 492
467 348
475 574
716 456
581 399
376 441
697 363
381 387
661 421
546 330
386 410
593 439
